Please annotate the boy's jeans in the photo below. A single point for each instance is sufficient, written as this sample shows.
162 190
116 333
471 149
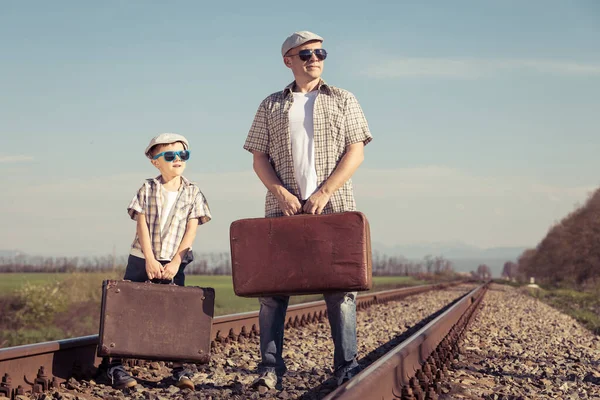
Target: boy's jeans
341 311
136 271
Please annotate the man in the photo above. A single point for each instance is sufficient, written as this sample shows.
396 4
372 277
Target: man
307 141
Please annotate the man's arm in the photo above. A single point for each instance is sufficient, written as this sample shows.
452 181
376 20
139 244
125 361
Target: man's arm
288 203
350 161
153 267
170 270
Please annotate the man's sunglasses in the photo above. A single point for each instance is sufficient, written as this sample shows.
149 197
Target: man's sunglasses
306 55
183 155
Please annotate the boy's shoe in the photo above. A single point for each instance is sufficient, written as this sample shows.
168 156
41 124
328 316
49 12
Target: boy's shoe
182 378
267 379
117 377
346 376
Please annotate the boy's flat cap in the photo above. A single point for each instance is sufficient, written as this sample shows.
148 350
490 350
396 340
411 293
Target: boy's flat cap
298 38
166 138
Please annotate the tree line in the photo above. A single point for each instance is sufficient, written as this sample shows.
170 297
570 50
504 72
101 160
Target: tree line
218 263
203 264
569 254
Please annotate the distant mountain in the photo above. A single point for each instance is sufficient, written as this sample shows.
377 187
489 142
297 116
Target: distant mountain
464 257
9 253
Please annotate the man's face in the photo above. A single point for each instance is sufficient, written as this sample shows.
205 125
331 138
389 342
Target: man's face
310 69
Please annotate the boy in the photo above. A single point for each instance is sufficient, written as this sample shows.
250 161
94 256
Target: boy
168 210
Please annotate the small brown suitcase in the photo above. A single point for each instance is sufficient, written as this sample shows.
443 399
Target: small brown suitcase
301 254
156 322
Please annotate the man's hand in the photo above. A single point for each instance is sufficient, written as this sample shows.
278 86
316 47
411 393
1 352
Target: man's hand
170 270
153 268
316 203
289 204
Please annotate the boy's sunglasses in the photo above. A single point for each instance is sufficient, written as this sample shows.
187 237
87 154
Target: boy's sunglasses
305 55
183 155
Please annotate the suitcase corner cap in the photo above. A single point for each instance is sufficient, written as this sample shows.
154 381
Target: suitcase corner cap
110 284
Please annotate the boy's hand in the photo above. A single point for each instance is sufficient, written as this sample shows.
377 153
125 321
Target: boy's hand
153 269
170 270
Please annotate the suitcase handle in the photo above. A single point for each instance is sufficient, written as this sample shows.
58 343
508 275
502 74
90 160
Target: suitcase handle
161 282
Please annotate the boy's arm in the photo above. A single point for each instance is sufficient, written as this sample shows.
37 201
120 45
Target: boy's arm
170 270
153 267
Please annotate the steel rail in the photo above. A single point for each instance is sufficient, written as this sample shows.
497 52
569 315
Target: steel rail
415 367
42 366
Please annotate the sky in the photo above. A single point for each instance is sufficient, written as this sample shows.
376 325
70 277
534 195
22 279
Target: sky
484 114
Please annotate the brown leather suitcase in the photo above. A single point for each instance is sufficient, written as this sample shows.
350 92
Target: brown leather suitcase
156 322
301 254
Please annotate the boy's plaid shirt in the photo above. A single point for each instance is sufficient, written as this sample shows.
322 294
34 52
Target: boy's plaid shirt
190 204
338 122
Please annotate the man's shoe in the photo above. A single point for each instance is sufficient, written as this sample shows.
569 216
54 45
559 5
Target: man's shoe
118 378
267 379
183 378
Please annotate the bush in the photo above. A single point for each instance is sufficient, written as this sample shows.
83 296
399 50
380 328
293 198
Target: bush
38 304
38 312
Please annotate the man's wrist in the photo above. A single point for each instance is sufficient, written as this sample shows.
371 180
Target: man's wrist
279 192
325 190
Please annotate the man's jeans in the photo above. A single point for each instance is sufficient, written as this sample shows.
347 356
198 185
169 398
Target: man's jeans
341 311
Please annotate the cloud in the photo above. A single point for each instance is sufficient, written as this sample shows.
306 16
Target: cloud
432 203
15 159
88 215
439 203
447 182
471 68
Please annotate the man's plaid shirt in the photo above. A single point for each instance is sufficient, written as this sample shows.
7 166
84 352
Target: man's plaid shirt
190 204
338 122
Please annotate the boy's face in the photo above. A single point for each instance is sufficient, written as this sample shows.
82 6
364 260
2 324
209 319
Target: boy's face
169 168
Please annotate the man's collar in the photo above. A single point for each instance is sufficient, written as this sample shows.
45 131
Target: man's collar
290 88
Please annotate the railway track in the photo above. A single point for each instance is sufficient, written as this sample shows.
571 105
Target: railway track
42 367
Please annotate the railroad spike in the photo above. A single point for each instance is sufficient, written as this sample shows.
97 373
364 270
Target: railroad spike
6 386
427 371
431 394
407 393
416 388
423 380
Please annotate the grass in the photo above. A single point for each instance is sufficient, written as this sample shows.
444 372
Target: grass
11 282
584 306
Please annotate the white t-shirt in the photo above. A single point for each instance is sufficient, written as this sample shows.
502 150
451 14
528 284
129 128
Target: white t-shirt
302 135
169 202
168 199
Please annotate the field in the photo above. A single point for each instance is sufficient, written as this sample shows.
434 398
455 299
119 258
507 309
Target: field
36 307
226 302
